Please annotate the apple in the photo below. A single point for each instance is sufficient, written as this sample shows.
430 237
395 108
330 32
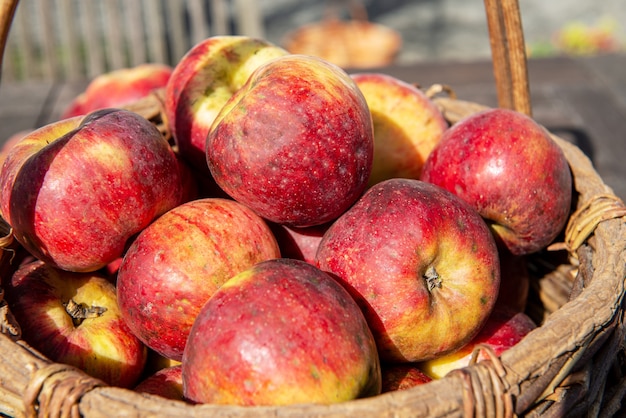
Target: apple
510 170
10 141
119 87
514 281
503 329
75 191
295 143
422 264
402 377
201 83
407 125
74 318
299 243
178 262
167 383
279 333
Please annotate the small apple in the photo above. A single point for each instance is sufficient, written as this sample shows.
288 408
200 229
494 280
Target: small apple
279 333
119 87
295 143
503 329
73 318
298 243
167 383
201 83
407 125
178 262
509 169
421 263
75 191
402 377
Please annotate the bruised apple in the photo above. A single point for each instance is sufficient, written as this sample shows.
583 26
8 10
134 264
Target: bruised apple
281 332
77 190
509 169
202 82
74 318
407 125
178 262
295 143
421 263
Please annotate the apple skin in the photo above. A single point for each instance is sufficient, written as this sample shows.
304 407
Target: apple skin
421 263
167 383
178 262
503 329
299 243
119 87
514 281
510 170
77 190
402 377
295 143
281 332
102 346
407 125
202 82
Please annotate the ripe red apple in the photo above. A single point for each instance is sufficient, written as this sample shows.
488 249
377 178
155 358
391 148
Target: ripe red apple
421 263
201 83
407 125
119 87
73 318
503 330
176 264
9 142
402 377
167 383
295 143
510 170
281 332
299 243
77 190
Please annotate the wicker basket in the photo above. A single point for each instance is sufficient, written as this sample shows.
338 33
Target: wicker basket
571 365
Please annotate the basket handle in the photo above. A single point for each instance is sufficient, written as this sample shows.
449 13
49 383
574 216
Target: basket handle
508 52
7 10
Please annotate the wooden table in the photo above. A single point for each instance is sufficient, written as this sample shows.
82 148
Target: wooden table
583 100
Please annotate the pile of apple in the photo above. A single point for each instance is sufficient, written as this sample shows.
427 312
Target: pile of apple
307 235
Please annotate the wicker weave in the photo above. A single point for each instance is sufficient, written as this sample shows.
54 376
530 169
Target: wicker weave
571 365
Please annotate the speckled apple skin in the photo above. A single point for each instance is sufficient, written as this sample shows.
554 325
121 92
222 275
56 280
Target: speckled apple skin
77 190
202 82
382 250
509 169
178 262
281 332
295 143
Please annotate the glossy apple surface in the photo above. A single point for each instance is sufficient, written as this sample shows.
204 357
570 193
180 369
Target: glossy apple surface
407 125
119 87
503 330
509 169
281 332
73 318
295 143
77 190
421 263
178 262
202 82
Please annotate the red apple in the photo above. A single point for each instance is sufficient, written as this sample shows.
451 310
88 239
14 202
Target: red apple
510 170
295 143
299 243
77 190
176 264
119 87
402 377
421 263
407 125
201 83
10 141
514 281
279 333
167 383
503 330
73 318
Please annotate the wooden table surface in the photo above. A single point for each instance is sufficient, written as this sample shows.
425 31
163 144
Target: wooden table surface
583 100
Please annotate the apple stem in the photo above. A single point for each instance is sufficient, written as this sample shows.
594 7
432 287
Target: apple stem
81 311
433 280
